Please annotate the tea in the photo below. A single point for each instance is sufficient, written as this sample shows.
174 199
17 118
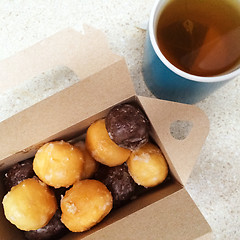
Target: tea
201 37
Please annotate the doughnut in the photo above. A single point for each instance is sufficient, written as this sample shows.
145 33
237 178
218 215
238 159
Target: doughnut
58 164
127 126
118 181
90 164
85 204
30 204
147 165
17 173
102 148
55 229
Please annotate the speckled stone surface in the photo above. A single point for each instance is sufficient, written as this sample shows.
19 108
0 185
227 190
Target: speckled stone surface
215 181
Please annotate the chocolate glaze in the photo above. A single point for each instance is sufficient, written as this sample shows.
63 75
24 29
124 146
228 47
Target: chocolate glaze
118 181
127 126
18 173
53 230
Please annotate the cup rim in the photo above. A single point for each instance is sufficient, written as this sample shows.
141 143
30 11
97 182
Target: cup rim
188 76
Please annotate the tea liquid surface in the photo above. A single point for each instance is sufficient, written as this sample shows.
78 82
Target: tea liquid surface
201 37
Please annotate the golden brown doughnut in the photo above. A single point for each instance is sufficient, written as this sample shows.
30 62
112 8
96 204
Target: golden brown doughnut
90 164
30 204
147 165
58 164
102 148
85 204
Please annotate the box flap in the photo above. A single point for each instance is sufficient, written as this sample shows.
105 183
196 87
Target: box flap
107 82
84 53
173 217
61 114
181 154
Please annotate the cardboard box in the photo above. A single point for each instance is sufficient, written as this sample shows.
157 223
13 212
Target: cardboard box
167 212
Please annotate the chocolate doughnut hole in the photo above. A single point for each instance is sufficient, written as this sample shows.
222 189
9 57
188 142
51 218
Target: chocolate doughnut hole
119 183
17 173
127 126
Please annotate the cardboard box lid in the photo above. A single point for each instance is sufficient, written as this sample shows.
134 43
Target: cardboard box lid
66 48
181 154
49 119
86 54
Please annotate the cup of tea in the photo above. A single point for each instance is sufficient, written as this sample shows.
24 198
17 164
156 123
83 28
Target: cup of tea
192 48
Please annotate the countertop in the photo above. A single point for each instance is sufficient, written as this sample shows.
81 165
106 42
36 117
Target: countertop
214 183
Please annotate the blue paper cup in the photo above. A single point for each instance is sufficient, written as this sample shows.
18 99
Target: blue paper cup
168 82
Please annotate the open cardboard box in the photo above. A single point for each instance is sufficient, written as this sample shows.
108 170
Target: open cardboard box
167 211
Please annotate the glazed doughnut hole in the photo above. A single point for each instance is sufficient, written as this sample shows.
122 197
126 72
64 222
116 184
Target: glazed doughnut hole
90 165
30 204
85 204
147 166
58 164
102 148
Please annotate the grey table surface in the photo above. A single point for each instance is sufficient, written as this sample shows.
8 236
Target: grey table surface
214 183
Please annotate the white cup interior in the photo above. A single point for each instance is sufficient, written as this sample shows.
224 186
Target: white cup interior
152 27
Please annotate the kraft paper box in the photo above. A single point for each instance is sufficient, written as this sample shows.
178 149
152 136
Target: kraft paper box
167 211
